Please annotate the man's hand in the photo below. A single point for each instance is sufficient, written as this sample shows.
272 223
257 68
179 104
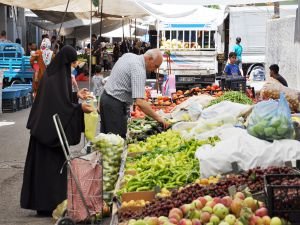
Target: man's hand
87 108
83 93
146 108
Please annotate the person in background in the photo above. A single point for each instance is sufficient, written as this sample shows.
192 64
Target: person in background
43 57
238 49
274 73
18 41
45 36
232 68
45 178
53 42
3 37
34 64
126 85
98 83
105 59
28 50
75 87
116 52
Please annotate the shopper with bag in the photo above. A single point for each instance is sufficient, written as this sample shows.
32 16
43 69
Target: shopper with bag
126 85
45 178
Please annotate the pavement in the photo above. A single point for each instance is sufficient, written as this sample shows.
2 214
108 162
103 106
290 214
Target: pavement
14 139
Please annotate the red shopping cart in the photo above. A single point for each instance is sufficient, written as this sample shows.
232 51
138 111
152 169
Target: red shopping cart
85 186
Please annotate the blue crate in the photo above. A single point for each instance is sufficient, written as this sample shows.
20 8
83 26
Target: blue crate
10 94
9 105
24 91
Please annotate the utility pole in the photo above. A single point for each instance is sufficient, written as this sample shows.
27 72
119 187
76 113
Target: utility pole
276 10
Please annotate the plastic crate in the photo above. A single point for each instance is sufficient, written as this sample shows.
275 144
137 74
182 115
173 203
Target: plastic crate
233 83
9 105
283 200
10 94
24 90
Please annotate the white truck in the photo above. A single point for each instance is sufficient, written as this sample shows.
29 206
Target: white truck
249 23
192 52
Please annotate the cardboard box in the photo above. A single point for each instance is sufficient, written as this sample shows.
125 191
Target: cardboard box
141 195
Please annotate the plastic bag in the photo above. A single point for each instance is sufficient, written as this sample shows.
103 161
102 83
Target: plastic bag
90 122
272 89
271 120
225 109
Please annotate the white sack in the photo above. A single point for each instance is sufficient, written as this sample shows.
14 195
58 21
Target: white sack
237 145
225 108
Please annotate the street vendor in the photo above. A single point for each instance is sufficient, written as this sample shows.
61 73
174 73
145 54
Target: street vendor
126 85
274 73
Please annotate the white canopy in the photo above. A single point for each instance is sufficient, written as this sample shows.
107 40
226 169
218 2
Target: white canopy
117 7
210 2
126 8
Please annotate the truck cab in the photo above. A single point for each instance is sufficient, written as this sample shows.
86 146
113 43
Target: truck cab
15 64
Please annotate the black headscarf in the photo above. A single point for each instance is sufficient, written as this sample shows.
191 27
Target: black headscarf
55 96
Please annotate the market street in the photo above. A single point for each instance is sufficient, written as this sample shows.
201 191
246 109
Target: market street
14 140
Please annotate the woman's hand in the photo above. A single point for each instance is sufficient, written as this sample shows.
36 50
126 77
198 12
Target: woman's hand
83 93
87 108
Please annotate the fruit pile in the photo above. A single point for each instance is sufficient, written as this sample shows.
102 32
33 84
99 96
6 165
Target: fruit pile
132 203
253 178
212 211
208 181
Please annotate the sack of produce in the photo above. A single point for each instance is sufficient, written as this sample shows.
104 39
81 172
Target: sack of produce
271 120
272 89
90 123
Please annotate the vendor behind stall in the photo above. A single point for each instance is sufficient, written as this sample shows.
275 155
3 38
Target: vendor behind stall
125 85
274 73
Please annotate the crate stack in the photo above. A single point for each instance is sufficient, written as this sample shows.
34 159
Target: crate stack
16 97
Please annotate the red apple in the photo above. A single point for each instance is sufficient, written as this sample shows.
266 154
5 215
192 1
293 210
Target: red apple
261 212
185 222
236 206
196 222
227 200
239 195
173 220
185 208
210 204
205 217
202 200
197 204
217 200
176 213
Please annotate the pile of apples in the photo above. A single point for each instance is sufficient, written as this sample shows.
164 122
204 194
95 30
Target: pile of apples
239 210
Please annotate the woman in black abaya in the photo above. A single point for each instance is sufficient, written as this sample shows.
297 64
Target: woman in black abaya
44 186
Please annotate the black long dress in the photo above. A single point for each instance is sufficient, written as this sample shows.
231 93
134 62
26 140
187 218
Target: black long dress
44 186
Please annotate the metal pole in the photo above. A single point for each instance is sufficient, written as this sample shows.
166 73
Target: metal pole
135 29
276 9
90 61
123 27
101 18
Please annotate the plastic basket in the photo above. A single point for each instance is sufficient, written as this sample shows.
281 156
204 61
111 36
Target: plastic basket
283 200
233 83
9 105
10 93
24 90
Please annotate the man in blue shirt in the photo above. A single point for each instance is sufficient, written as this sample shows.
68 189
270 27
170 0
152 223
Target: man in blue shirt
232 68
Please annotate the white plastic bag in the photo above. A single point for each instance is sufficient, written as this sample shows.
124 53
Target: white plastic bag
225 108
237 145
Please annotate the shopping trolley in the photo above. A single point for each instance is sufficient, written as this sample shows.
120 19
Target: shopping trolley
85 186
